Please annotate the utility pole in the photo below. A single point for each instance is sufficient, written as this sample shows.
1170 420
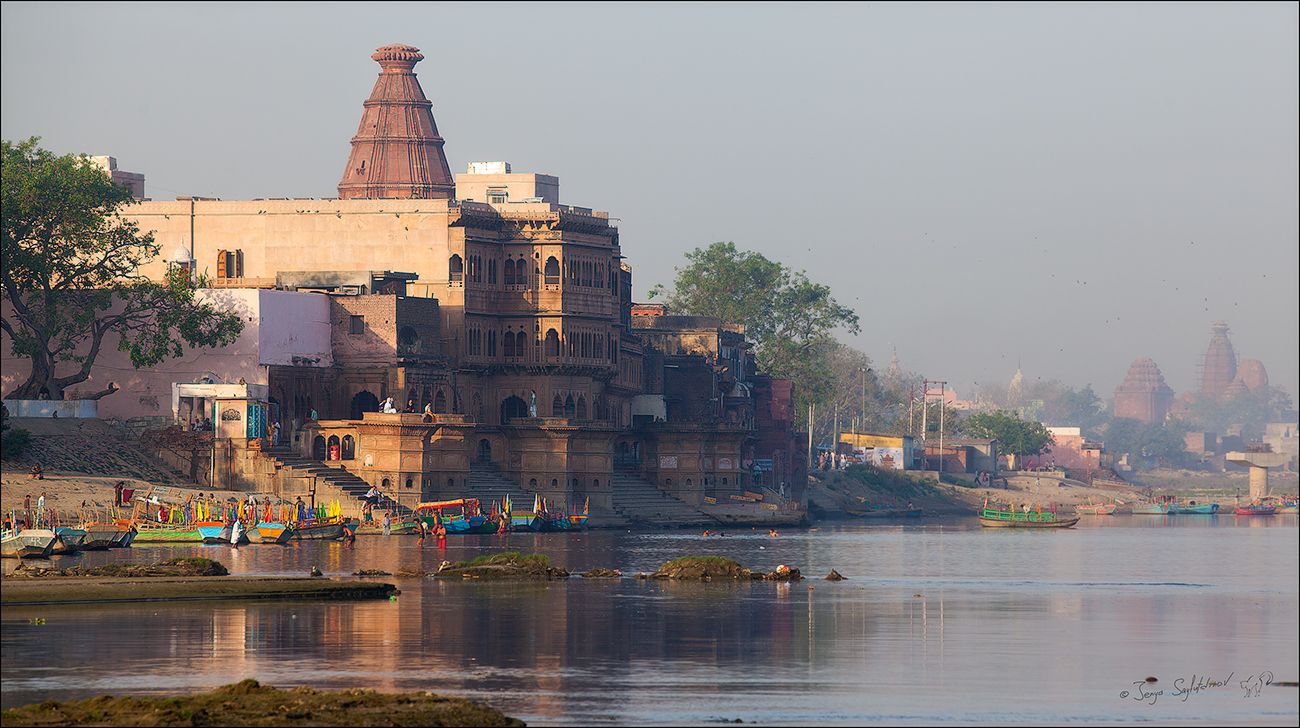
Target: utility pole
942 387
862 410
925 410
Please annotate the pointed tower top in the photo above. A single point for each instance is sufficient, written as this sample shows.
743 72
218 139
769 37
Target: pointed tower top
893 364
397 152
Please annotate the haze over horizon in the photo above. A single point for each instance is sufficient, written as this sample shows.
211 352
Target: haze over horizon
1064 187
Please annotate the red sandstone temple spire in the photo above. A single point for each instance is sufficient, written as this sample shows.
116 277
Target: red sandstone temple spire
397 152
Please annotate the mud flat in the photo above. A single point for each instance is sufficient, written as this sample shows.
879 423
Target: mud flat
249 704
108 590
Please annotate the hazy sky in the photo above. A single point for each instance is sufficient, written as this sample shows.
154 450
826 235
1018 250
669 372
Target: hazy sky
1067 186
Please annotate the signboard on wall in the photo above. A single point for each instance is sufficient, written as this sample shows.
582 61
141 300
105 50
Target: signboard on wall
667 462
724 464
890 458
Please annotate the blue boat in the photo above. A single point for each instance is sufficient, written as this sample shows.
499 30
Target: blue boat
1193 508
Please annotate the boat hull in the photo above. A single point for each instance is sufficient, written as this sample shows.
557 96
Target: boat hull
167 535
1105 509
99 539
1255 511
68 540
309 531
1200 509
267 532
31 543
999 523
1151 509
212 532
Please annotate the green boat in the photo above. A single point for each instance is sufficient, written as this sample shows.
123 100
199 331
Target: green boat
998 518
164 533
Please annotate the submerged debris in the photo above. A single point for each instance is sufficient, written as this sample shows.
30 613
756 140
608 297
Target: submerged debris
602 574
507 565
835 576
174 567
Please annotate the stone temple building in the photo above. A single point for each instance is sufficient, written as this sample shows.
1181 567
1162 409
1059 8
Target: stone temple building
1220 367
484 298
1143 395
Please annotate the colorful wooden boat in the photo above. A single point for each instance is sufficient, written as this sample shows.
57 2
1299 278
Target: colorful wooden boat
1193 509
213 531
462 516
317 529
29 543
1255 509
68 540
270 532
998 518
99 536
1096 509
165 533
1290 507
1151 509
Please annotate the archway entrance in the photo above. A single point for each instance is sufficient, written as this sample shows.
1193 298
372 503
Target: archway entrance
513 407
484 451
364 401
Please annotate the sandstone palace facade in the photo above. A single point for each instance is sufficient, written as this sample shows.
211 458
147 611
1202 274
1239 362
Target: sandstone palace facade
485 300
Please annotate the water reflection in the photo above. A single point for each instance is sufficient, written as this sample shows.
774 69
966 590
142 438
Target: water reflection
938 621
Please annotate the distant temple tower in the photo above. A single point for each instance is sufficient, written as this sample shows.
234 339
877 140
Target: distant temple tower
894 371
397 152
1220 362
1143 396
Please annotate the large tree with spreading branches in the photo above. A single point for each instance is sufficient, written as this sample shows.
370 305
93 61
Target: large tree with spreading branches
71 277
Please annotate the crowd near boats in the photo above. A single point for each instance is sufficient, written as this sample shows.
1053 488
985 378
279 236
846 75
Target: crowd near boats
160 516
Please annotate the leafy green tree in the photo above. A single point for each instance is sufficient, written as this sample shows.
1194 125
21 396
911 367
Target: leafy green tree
1014 435
71 276
1147 443
790 319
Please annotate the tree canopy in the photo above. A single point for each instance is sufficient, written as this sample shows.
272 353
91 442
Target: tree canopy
71 276
1014 435
790 319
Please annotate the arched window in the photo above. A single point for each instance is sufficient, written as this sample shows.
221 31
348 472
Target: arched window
555 483
492 343
508 344
532 483
552 343
492 270
349 447
552 271
318 448
521 345
595 483
334 451
451 483
575 482
557 407
409 483
512 407
582 407
385 484
570 408
455 269
363 402
440 402
508 272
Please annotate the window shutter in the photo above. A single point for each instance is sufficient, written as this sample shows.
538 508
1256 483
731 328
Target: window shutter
239 264
221 264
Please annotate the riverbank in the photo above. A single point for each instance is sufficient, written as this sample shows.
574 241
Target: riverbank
19 591
248 703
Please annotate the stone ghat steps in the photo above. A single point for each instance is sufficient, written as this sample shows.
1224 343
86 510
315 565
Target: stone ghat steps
345 484
641 502
91 447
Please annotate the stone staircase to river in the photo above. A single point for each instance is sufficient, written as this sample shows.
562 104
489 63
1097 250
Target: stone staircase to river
338 483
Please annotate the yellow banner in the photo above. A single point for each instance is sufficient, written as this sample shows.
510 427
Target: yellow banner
865 440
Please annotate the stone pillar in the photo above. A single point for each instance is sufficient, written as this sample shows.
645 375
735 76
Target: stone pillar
1258 482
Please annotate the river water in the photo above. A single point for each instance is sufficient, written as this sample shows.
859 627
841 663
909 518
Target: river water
939 621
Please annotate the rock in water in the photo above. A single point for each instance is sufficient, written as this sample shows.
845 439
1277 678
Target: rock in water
835 576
